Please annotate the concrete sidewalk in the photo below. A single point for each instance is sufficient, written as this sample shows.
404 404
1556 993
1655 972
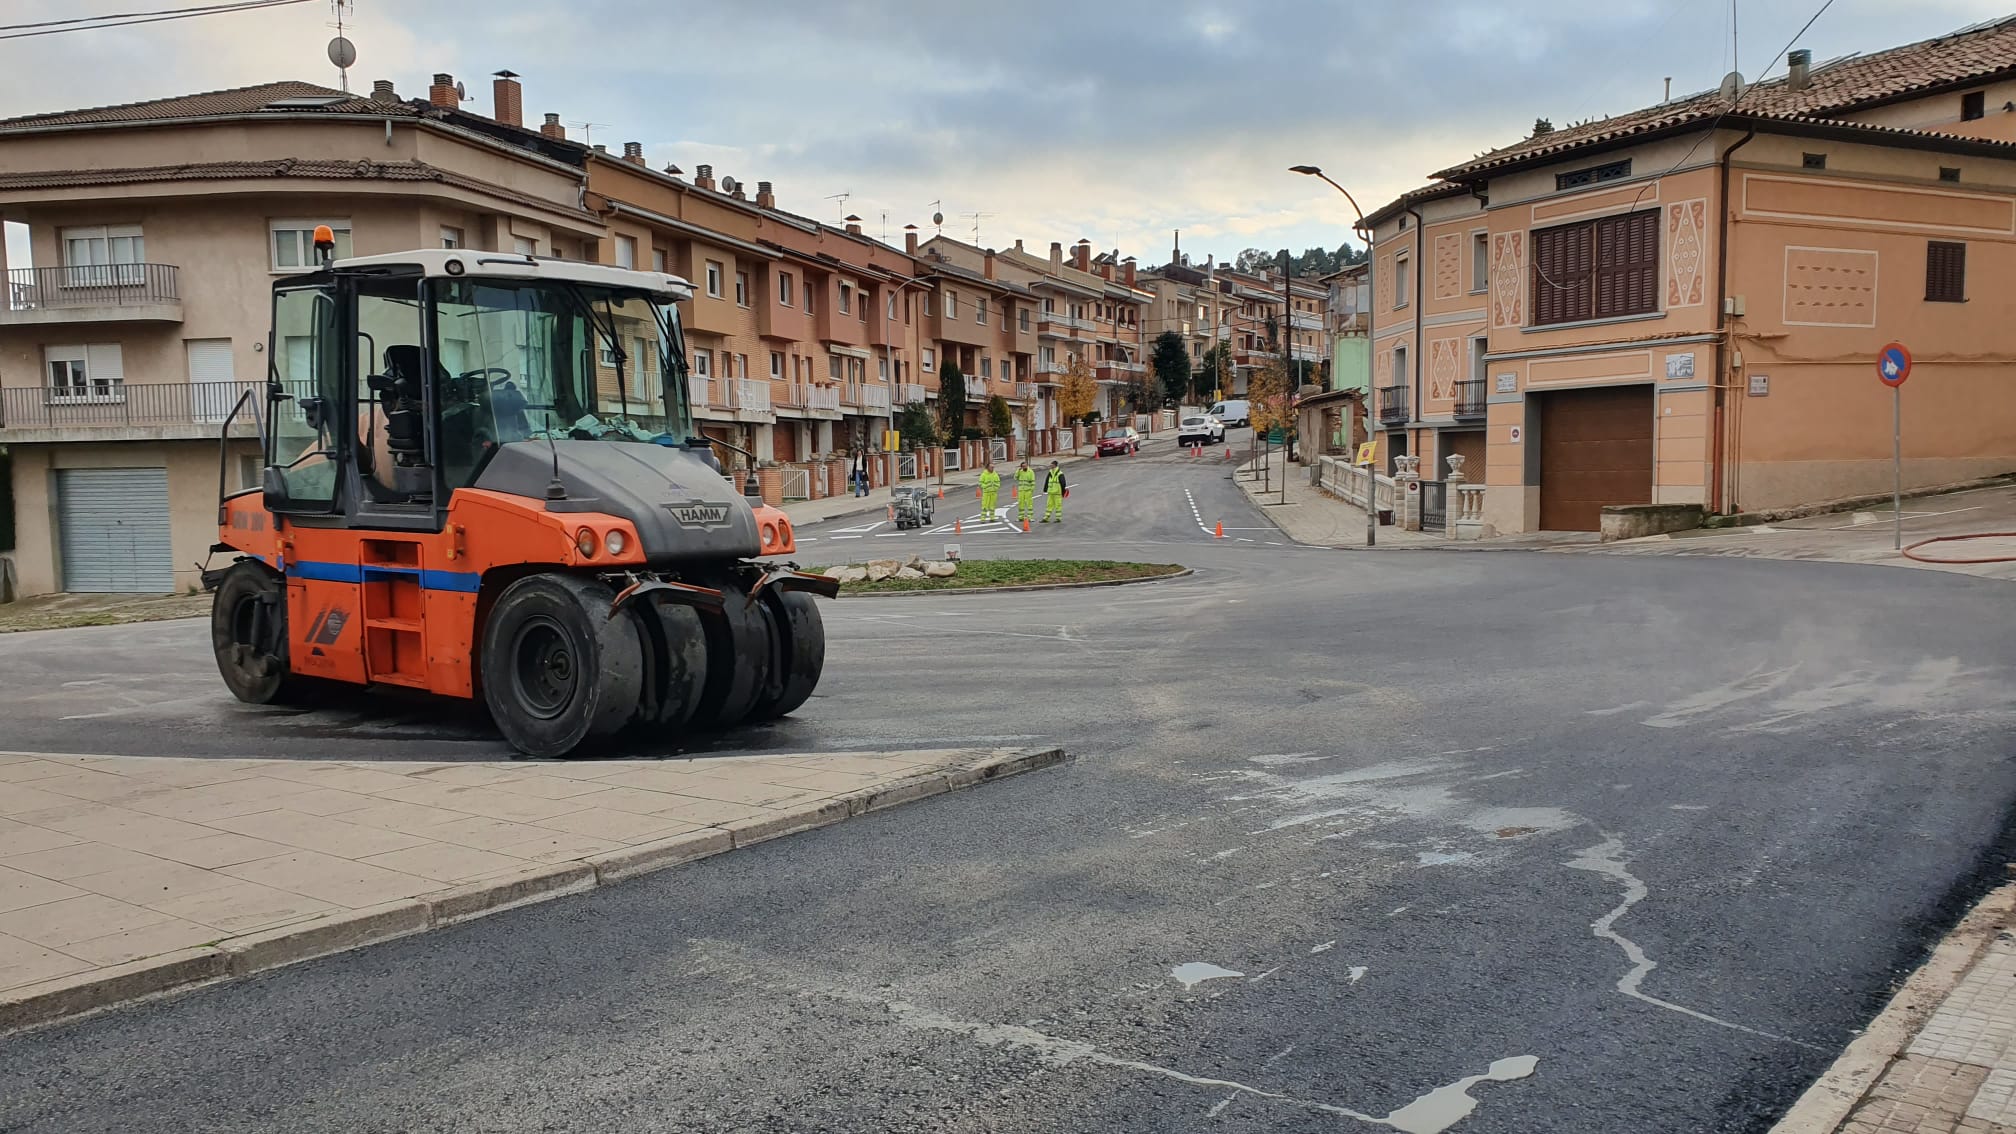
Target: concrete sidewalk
1941 1057
1314 517
123 876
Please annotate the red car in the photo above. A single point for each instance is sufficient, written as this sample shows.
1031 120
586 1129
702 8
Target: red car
1119 442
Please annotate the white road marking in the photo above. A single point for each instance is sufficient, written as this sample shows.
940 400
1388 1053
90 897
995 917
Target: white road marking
846 537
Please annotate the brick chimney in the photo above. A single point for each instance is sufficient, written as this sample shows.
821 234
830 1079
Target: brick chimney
552 128
987 263
703 177
1798 70
633 152
766 197
1081 256
1056 254
1128 277
442 93
381 91
507 104
910 239
1105 271
853 225
740 193
600 148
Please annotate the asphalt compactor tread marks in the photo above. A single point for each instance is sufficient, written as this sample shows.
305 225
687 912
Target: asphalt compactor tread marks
539 536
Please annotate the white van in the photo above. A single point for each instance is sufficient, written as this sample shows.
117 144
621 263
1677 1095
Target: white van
1232 412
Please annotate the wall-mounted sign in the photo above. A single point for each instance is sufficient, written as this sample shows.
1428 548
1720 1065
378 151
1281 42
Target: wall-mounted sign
1760 385
1679 366
1508 383
1516 434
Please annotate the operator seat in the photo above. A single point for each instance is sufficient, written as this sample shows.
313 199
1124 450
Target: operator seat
402 399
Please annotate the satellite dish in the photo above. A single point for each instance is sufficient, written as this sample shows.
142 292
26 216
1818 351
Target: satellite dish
1732 86
938 219
461 92
342 52
729 185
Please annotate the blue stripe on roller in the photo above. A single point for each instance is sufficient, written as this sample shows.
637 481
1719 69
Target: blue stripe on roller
465 582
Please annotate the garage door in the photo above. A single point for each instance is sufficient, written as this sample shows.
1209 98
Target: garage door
1595 449
115 530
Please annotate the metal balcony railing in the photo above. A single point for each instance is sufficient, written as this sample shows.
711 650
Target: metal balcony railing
696 389
1470 398
1060 319
823 398
93 285
1392 404
875 399
752 395
791 393
113 404
1050 366
1026 391
912 393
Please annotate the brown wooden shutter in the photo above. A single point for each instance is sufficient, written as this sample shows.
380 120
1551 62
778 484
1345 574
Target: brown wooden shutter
1945 272
1627 265
1563 270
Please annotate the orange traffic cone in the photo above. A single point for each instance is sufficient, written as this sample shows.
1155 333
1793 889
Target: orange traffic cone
1228 452
1025 524
1095 452
941 492
956 529
1220 533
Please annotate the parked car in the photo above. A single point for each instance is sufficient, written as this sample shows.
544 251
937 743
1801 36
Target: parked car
1232 412
1120 441
1200 429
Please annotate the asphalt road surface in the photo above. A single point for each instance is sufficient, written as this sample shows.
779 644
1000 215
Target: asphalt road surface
1462 841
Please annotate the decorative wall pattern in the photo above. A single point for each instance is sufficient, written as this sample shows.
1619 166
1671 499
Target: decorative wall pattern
1385 283
1448 266
1830 287
1445 364
1382 367
1686 257
1508 279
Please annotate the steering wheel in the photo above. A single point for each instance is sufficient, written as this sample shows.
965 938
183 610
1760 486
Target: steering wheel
502 375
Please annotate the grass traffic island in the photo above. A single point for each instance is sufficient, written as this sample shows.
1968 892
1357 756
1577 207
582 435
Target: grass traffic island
68 611
995 574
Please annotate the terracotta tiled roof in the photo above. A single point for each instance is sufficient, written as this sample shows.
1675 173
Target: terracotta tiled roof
1971 55
1433 192
277 168
239 100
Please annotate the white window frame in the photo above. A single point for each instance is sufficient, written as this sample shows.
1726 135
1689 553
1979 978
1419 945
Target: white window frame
980 310
986 368
891 297
104 373
451 237
741 289
777 365
930 359
524 246
1480 262
742 366
703 362
784 289
846 298
301 233
105 263
951 304
1402 265
882 367
658 261
714 274
626 252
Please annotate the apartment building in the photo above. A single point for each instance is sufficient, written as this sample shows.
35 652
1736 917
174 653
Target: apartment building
1090 308
157 229
980 315
1347 321
1684 304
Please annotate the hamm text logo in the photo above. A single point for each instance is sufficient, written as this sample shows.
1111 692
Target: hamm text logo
698 515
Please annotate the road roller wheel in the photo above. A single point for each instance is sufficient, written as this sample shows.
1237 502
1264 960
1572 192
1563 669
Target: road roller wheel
248 632
557 670
738 659
798 642
675 664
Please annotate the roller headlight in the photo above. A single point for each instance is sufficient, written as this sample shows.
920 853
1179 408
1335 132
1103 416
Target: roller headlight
616 542
584 542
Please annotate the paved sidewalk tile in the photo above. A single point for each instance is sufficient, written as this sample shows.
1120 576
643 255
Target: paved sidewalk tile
108 861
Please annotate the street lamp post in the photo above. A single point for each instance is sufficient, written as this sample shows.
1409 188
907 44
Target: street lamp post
1371 266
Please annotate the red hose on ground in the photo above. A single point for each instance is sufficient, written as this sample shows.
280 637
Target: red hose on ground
1955 539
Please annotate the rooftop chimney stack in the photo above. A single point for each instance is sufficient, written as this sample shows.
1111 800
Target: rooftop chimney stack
507 103
1081 256
1542 127
1129 276
910 239
633 152
987 264
766 196
853 225
1798 70
381 91
739 193
600 148
1056 254
552 128
442 93
703 177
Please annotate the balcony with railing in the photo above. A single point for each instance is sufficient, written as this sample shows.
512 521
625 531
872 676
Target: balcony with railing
115 410
93 293
875 400
749 398
1054 319
1025 391
1393 405
912 393
1051 366
823 399
790 392
697 391
1470 399
1306 321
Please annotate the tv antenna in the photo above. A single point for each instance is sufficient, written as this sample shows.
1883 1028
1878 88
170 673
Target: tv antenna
976 218
587 131
842 198
885 226
342 52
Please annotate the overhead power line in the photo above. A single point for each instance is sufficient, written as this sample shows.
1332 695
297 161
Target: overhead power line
128 19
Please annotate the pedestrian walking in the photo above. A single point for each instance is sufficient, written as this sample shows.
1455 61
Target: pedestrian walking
1025 493
1054 487
860 472
990 492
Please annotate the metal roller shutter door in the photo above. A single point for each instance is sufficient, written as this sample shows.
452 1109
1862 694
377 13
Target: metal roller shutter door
115 530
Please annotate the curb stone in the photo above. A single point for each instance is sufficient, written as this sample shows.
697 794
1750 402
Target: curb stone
1183 574
1834 1095
66 998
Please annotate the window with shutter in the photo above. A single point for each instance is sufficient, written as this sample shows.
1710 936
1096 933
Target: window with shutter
1602 269
1945 272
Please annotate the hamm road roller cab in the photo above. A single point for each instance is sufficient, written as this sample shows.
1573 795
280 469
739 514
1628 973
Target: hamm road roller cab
482 479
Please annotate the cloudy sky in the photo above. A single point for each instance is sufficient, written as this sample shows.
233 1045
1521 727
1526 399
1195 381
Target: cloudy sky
1112 120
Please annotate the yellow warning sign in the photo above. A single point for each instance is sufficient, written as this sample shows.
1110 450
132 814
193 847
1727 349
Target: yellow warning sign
891 440
1368 453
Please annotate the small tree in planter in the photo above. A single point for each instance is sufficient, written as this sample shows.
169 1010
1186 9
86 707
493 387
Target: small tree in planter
1077 392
